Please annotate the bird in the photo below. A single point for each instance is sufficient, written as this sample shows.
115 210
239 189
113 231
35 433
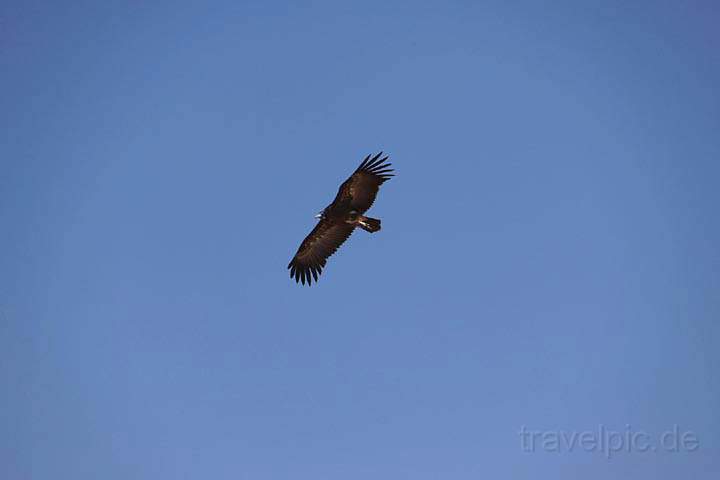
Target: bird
339 219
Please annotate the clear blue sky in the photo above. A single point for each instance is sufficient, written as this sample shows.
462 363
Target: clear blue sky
549 255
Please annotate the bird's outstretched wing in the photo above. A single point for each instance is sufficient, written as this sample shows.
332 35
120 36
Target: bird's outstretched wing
362 187
323 241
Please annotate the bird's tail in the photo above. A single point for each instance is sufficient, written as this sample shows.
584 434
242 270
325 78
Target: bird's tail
368 224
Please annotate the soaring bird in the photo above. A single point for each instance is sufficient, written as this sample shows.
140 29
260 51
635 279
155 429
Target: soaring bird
338 220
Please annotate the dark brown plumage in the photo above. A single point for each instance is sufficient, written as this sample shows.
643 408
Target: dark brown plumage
338 220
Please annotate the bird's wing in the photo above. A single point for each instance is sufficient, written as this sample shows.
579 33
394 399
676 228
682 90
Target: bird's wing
323 241
361 188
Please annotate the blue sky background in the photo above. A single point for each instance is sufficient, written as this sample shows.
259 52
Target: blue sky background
549 254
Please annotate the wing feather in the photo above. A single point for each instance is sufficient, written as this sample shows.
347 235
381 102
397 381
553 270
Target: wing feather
362 187
323 241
